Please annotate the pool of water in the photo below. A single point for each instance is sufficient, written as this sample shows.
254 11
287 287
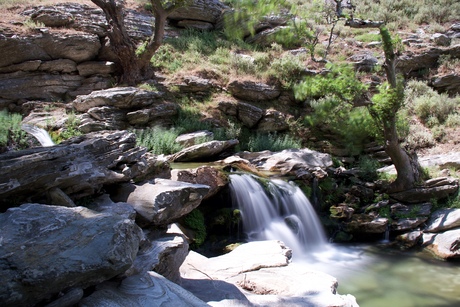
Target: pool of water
381 276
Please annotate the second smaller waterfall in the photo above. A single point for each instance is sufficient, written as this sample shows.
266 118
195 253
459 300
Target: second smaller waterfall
277 210
40 134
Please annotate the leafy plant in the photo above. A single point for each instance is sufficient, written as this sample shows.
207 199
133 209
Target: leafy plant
11 134
195 221
158 140
272 142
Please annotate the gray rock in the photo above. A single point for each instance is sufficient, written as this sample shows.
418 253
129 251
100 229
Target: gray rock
423 209
364 61
194 138
207 175
451 160
79 167
160 114
404 224
46 249
204 151
449 83
96 67
120 97
161 202
209 11
259 274
432 190
196 24
410 239
253 91
248 114
443 219
288 161
146 290
367 224
444 245
441 39
273 121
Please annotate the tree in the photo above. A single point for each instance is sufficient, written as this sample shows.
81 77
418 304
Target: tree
135 66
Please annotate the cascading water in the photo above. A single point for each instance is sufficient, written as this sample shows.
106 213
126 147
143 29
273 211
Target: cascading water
279 211
40 134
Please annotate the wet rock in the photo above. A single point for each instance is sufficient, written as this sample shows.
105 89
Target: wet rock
404 224
367 224
46 249
410 239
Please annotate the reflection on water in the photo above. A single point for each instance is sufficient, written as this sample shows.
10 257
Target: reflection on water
379 276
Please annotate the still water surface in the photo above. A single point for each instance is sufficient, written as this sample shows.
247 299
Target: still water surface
382 277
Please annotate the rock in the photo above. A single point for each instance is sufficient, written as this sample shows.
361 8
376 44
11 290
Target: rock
46 249
113 118
449 83
399 209
120 97
158 115
410 239
248 114
367 224
341 211
206 175
404 224
259 274
288 161
194 138
45 115
209 11
364 61
150 289
253 91
196 24
441 39
76 47
444 245
443 219
96 67
440 190
451 160
267 37
160 202
197 85
273 121
161 253
205 151
79 167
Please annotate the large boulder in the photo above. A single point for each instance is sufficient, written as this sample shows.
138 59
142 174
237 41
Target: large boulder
46 249
160 202
204 151
449 83
79 167
149 289
437 188
209 11
444 245
443 220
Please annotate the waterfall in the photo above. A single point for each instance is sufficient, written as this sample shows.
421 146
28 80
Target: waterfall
40 134
277 210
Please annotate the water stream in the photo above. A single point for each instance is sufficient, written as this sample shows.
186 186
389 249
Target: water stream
376 275
40 134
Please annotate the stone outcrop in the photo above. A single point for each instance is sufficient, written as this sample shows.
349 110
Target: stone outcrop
444 245
120 107
437 188
449 83
443 220
79 167
199 14
47 249
193 138
162 201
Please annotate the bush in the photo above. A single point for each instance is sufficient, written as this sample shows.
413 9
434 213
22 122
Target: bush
272 142
195 221
368 168
11 134
158 140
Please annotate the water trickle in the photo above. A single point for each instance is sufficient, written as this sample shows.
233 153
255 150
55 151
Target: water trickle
277 210
40 134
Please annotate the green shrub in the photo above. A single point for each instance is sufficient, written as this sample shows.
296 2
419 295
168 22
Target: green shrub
11 134
158 140
272 142
288 68
195 221
368 168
